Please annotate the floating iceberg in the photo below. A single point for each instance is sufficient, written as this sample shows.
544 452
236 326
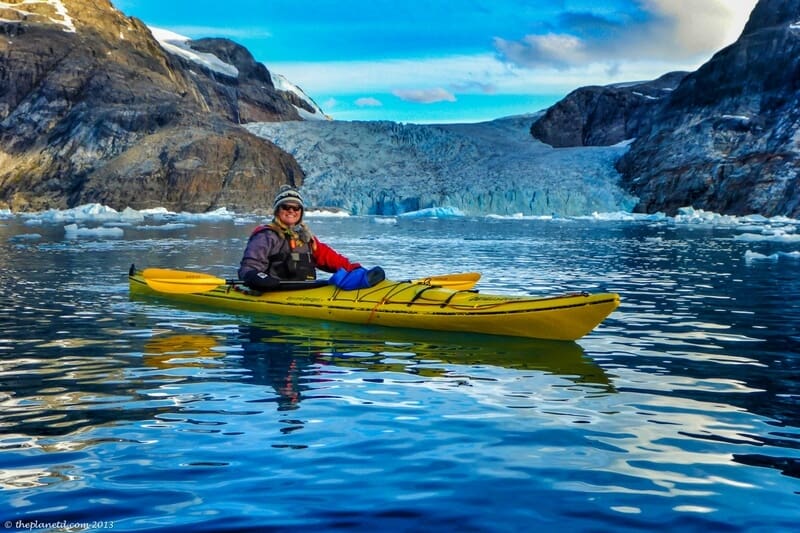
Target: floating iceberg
73 231
434 212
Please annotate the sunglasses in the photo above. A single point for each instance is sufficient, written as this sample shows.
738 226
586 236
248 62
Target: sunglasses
294 208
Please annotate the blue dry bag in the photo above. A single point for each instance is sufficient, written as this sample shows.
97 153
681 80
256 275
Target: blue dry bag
358 278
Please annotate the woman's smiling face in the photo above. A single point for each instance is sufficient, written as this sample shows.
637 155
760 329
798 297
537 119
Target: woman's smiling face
290 213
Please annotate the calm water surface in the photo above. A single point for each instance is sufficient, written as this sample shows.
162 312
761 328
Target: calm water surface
679 412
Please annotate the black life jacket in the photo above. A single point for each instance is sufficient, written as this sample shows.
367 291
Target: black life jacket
294 260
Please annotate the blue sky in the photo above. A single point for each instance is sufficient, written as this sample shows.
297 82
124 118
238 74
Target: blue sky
447 61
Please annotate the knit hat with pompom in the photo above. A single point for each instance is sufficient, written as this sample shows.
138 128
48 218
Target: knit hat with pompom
287 194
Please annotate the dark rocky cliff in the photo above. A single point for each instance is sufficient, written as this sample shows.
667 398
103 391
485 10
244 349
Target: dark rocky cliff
727 138
92 109
604 115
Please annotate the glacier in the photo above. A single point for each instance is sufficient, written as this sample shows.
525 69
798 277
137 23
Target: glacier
496 167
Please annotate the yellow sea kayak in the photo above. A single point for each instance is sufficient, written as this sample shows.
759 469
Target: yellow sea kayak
406 304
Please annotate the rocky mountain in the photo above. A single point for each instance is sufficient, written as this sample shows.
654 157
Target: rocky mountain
604 115
727 138
93 109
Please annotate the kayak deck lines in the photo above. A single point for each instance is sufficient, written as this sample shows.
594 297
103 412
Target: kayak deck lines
485 308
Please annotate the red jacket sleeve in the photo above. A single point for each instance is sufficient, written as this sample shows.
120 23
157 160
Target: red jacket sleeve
329 260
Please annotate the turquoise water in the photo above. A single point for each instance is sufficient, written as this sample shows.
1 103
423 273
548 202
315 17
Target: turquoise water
680 412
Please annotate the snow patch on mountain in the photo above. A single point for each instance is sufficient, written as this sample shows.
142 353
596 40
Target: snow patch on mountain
282 84
179 45
388 168
19 7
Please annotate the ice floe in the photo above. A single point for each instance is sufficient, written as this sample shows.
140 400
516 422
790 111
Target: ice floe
755 227
74 231
750 256
772 238
434 212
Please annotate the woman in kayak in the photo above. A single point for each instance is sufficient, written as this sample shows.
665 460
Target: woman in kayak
287 250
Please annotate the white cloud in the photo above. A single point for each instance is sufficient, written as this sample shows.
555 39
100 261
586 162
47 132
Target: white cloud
560 51
474 86
368 101
384 75
425 96
475 74
463 74
681 31
704 26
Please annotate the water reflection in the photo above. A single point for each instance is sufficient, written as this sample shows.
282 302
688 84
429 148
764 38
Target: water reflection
420 348
296 359
183 349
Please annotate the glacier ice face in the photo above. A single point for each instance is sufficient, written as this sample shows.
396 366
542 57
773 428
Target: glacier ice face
388 168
